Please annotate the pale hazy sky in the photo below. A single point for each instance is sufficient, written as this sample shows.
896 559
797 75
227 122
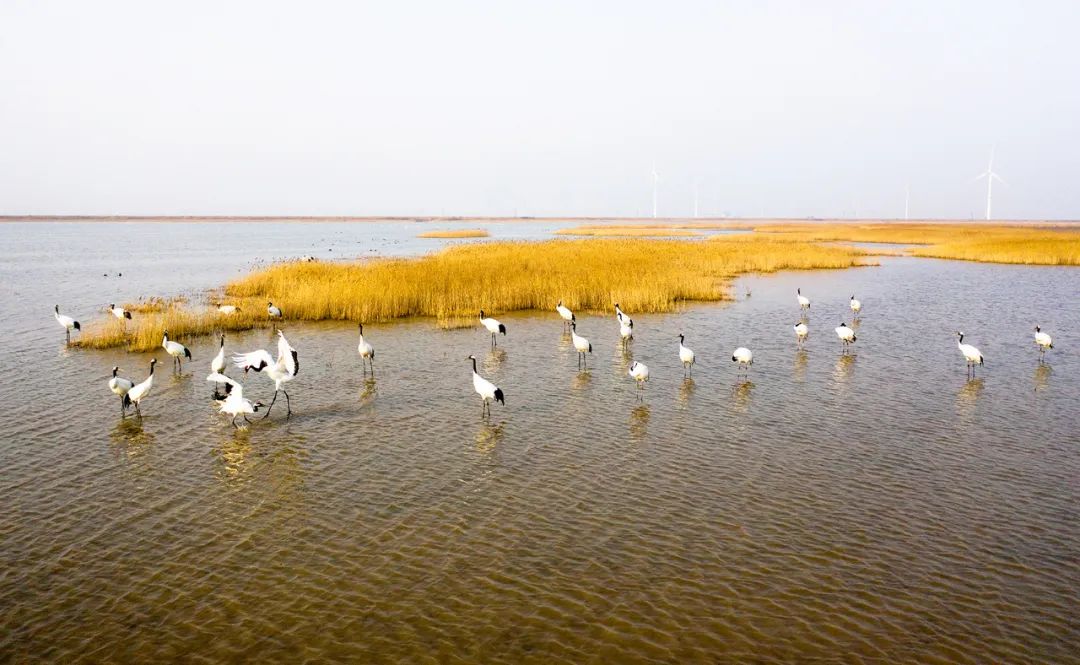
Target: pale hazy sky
543 108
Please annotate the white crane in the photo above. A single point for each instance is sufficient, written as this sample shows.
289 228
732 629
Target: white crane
230 309
175 349
743 356
619 314
280 371
686 356
990 177
804 302
846 335
639 372
119 312
855 306
487 390
120 387
217 365
66 322
565 313
273 312
366 351
140 390
972 355
1043 341
801 331
581 345
493 326
626 330
234 404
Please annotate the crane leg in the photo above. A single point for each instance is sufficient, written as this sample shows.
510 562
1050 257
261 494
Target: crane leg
288 404
267 414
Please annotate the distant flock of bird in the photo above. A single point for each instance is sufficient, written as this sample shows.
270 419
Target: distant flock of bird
282 369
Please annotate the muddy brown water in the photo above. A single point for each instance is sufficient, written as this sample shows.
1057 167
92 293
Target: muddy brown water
877 506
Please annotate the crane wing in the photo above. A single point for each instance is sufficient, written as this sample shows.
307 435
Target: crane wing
232 388
218 377
288 354
256 360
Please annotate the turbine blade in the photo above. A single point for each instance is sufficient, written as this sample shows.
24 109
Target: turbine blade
999 178
979 177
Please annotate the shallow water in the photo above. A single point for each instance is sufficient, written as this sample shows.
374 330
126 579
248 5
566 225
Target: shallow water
875 506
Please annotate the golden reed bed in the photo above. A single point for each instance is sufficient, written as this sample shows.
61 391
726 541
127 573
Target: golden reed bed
989 243
459 233
588 274
645 275
632 231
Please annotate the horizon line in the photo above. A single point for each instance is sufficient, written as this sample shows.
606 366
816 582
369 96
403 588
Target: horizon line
509 218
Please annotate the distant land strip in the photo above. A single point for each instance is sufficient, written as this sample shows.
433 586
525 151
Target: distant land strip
689 222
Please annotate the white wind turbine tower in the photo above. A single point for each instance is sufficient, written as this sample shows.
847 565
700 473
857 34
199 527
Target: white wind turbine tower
990 176
697 181
907 201
655 184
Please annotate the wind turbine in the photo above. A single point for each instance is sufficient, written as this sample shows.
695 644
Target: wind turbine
697 181
990 176
907 200
655 184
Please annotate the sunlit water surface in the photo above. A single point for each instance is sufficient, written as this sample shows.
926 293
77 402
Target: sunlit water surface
875 507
